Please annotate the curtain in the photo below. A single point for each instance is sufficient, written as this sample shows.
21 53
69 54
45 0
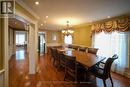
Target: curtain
113 43
123 53
120 24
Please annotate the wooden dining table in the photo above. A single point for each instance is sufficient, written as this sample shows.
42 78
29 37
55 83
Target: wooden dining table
86 59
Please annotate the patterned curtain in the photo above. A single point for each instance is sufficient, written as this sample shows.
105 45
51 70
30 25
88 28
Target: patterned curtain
122 25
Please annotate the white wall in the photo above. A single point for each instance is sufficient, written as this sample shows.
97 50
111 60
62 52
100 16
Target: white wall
33 44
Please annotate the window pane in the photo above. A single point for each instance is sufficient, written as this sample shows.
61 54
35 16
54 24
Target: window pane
20 39
113 43
68 39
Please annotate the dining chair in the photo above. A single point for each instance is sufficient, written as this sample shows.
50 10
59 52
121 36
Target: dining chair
103 72
92 50
73 69
69 46
83 49
51 53
70 67
62 58
55 56
115 56
75 47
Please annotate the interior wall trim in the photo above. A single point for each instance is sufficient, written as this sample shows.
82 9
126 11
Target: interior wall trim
2 71
27 8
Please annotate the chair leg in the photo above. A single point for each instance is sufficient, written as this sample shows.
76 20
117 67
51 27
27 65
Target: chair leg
53 61
65 76
65 73
76 79
111 79
104 82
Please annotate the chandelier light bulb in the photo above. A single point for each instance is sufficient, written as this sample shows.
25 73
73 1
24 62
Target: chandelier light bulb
68 30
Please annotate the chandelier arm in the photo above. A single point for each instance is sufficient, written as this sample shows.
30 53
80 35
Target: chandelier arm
67 31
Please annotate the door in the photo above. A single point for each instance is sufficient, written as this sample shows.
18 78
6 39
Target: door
41 43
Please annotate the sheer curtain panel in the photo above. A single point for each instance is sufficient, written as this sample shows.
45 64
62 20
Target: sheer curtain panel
113 43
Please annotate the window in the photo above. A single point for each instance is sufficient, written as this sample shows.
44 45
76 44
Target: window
20 38
54 37
68 39
113 43
105 42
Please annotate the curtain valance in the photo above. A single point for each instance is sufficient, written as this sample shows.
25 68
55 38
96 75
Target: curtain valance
121 24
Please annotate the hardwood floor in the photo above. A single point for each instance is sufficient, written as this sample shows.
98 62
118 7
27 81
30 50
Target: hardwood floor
49 75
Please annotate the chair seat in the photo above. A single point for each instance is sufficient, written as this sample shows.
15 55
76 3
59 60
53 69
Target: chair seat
97 72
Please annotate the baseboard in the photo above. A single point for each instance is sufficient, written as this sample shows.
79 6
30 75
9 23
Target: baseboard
127 73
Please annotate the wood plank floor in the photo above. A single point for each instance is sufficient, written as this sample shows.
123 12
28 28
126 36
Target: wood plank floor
49 75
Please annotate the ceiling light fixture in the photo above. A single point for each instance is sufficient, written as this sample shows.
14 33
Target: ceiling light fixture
62 21
46 17
67 31
44 24
41 24
108 17
37 3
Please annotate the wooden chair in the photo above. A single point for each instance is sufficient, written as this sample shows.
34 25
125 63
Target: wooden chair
55 56
51 52
70 67
73 69
75 47
83 49
62 58
92 50
69 46
103 73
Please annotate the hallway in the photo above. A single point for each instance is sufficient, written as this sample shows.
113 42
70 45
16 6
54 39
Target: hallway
48 75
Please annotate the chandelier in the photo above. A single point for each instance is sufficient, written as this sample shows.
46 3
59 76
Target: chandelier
67 31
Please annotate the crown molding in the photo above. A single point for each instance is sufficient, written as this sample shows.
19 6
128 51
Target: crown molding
82 25
112 18
48 30
21 3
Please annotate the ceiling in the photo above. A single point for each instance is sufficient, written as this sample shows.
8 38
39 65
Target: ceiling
76 11
16 24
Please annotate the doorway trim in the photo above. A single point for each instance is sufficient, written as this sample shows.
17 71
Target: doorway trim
22 15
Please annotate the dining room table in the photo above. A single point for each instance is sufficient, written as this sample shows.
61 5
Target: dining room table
86 59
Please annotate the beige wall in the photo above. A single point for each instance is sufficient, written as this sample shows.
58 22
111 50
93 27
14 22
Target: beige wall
82 35
50 36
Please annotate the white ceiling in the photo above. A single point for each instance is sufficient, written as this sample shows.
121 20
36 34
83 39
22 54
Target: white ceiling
76 11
